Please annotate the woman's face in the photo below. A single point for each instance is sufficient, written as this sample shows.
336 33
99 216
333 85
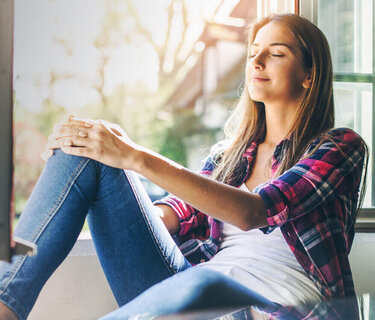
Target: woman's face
275 71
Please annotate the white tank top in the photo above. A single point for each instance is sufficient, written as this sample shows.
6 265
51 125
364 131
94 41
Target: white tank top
264 263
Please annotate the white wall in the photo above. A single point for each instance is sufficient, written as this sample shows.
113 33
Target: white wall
362 260
77 290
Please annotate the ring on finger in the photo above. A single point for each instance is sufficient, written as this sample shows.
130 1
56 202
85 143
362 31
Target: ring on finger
82 133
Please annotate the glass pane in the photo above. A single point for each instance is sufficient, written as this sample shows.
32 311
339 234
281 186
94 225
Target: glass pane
126 61
348 27
353 104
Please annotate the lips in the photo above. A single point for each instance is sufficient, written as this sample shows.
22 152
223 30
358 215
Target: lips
258 78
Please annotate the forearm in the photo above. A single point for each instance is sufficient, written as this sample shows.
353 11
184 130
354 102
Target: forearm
106 143
223 202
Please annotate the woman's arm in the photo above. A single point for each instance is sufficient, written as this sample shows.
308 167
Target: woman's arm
223 202
169 218
108 144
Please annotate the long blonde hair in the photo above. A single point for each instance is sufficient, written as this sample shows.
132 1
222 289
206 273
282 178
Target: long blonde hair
315 114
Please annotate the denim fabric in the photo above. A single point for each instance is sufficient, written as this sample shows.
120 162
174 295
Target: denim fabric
191 290
133 245
135 249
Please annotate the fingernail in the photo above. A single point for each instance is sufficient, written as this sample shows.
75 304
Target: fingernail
67 143
88 124
82 133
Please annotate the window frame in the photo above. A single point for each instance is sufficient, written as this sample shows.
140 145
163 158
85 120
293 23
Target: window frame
9 245
309 9
6 126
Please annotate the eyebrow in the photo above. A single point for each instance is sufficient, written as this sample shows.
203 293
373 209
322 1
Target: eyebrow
275 44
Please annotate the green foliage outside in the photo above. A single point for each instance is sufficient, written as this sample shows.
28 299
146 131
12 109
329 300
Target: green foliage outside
137 109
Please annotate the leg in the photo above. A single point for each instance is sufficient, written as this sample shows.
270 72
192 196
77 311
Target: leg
191 290
143 252
67 190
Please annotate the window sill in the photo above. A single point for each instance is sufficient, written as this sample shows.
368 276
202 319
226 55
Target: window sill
366 221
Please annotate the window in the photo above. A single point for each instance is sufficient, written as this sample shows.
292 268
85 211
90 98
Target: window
349 27
126 61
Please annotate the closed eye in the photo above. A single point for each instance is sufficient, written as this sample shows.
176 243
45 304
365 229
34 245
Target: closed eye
273 55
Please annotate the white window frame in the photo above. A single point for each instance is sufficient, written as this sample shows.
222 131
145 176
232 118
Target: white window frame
366 219
266 7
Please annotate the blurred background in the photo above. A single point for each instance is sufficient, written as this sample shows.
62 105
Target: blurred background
169 72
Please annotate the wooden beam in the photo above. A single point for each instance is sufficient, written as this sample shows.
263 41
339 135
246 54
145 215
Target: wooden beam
6 124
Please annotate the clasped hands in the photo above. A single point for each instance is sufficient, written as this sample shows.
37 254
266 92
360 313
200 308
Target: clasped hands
95 139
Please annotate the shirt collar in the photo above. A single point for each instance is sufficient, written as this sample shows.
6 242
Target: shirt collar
252 149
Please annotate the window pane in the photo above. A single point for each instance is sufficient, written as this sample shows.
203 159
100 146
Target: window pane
348 27
353 104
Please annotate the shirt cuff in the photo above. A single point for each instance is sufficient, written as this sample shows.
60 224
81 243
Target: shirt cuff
170 202
277 208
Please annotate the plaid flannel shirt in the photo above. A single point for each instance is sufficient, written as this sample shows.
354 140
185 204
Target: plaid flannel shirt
314 203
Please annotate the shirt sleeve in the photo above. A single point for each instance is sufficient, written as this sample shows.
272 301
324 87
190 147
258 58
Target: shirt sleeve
188 216
334 168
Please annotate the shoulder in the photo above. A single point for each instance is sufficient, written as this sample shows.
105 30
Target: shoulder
337 148
338 139
339 134
344 134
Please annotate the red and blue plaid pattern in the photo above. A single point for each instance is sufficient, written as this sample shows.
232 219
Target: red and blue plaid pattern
314 203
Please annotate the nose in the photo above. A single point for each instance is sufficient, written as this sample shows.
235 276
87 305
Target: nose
257 62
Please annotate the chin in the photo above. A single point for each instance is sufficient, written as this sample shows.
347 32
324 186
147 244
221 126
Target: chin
256 97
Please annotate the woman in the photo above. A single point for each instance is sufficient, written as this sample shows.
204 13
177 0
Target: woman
304 177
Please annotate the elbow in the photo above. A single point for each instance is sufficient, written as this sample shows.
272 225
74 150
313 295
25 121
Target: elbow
246 226
253 221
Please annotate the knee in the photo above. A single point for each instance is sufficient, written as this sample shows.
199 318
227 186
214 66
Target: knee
207 288
201 282
58 154
61 159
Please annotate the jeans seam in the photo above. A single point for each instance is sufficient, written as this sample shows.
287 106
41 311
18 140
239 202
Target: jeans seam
60 200
149 227
49 216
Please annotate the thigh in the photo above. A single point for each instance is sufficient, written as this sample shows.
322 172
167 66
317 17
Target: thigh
191 290
134 246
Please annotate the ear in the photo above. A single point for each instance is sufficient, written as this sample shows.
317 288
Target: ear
307 82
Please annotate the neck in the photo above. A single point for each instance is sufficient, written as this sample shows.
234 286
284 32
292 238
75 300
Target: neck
279 120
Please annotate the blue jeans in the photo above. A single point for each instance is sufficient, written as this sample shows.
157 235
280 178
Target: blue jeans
134 247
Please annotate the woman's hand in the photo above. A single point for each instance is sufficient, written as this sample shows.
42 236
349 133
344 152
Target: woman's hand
95 139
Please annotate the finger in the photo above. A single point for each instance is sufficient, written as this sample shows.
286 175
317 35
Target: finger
58 143
54 144
69 131
76 142
73 121
77 151
59 124
47 154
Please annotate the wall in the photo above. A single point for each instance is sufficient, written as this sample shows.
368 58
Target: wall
77 290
